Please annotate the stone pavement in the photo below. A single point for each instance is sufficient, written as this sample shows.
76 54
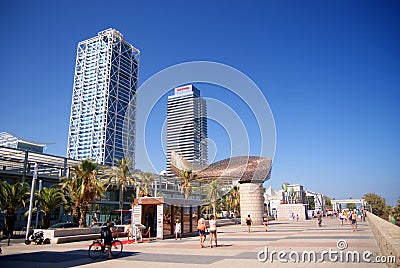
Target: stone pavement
237 248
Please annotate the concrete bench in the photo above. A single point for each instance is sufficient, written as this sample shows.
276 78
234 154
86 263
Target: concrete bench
75 238
57 236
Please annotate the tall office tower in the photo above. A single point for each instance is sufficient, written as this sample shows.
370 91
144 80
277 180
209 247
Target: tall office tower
187 126
103 111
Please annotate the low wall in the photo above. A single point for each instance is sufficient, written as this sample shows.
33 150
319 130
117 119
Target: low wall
388 237
284 211
70 234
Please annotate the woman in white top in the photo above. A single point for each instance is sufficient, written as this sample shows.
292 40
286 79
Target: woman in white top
178 229
213 230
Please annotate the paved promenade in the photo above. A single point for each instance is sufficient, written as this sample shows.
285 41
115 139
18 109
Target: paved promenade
237 249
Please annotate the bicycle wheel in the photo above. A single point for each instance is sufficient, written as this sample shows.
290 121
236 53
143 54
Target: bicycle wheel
95 250
116 248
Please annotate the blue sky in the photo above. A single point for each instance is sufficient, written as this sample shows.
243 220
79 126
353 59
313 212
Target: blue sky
329 70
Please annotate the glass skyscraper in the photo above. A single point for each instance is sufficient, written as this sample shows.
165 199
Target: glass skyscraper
103 110
187 126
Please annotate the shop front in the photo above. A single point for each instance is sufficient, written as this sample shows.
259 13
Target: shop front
160 214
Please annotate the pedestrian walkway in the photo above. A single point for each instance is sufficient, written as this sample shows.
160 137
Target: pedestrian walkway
237 248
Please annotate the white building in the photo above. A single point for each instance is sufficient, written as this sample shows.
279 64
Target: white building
284 202
272 199
103 109
319 201
187 126
12 141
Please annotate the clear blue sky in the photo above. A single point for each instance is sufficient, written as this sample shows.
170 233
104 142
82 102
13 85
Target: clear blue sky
330 71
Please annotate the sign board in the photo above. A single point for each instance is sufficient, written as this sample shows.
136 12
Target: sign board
137 214
160 221
183 90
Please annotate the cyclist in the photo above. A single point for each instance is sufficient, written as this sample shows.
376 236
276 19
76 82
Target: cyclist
106 233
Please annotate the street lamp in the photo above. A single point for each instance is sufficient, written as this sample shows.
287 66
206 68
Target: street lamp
28 225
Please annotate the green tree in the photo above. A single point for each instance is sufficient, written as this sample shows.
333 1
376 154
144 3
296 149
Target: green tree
351 206
234 199
145 180
206 208
311 202
12 197
396 212
70 187
328 202
121 177
377 203
186 187
49 199
86 186
214 192
225 202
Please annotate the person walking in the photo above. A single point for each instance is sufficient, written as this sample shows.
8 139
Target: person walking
319 217
213 230
249 222
178 229
201 227
354 221
341 217
265 222
345 215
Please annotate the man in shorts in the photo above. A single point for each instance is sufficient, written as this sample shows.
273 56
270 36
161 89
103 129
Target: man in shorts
354 220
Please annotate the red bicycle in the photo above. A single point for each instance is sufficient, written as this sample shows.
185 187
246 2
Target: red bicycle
97 248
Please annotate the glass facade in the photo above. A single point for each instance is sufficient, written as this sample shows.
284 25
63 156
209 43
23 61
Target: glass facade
103 110
167 226
186 220
187 126
11 141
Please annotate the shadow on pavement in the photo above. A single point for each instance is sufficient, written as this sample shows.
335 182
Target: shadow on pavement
224 245
59 259
276 223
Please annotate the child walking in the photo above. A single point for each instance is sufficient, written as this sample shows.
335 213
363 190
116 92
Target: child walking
178 230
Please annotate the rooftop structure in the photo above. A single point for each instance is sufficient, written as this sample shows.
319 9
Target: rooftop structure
242 169
12 141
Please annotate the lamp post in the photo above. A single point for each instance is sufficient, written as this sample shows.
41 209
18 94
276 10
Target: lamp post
38 205
28 225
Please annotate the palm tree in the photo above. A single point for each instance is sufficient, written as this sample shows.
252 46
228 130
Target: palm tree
120 175
146 179
86 186
186 176
12 197
49 199
234 197
206 209
214 191
72 197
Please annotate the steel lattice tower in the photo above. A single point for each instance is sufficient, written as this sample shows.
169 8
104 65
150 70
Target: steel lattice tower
103 110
